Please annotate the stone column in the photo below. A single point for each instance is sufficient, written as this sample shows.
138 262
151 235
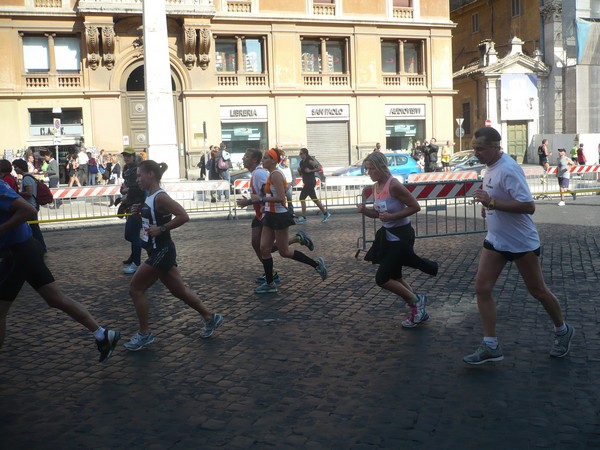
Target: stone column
553 120
162 134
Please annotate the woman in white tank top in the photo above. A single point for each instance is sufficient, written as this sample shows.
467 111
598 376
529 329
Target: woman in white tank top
393 246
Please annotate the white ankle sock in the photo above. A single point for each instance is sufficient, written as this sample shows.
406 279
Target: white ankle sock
561 330
491 342
99 334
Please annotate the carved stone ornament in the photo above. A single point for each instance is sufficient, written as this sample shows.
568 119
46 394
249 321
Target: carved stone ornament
551 11
204 38
93 46
189 47
108 47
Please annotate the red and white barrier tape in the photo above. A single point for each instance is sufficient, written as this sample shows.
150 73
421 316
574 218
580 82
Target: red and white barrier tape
244 183
577 169
430 191
442 176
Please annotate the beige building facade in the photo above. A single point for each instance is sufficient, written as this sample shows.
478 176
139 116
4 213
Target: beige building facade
335 76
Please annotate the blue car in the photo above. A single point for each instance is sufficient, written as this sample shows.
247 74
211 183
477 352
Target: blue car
398 163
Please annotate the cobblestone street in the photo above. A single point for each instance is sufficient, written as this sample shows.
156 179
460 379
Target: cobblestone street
320 365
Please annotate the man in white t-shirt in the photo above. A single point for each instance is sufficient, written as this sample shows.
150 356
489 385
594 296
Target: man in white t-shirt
82 170
507 205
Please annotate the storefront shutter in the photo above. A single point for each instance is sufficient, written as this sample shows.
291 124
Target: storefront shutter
329 142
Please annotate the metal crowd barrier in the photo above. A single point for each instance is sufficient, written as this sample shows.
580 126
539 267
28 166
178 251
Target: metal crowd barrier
89 203
584 180
447 208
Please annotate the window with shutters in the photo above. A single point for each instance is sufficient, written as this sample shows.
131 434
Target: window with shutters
324 61
402 62
240 60
51 61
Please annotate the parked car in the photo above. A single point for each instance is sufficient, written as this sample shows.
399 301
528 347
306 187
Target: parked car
398 163
460 157
472 163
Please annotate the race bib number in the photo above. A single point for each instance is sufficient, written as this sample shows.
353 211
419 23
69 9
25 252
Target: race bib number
380 205
144 229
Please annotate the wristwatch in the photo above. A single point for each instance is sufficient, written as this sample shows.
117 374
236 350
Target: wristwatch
163 229
491 204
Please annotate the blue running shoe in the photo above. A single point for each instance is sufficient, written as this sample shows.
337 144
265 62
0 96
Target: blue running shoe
326 217
211 325
484 354
562 343
263 279
321 268
266 288
139 341
305 240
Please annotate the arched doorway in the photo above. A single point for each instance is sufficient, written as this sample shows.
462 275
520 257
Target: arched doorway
135 123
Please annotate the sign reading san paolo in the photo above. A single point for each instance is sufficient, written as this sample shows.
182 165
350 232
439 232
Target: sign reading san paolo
404 111
327 112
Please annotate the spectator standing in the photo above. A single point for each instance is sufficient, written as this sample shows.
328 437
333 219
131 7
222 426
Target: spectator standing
446 155
431 156
22 261
563 174
159 214
224 166
114 169
202 166
29 192
53 174
581 160
132 195
213 170
72 170
82 169
308 168
507 206
31 164
416 151
92 170
6 170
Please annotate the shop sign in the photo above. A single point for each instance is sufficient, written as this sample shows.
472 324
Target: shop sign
400 112
327 112
243 113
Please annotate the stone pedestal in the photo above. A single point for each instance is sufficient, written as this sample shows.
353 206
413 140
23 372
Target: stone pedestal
162 136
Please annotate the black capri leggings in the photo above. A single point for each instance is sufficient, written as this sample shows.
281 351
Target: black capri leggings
398 254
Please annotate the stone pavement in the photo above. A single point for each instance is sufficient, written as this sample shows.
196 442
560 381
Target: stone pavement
321 365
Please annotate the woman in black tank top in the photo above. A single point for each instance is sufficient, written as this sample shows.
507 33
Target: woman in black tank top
160 214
